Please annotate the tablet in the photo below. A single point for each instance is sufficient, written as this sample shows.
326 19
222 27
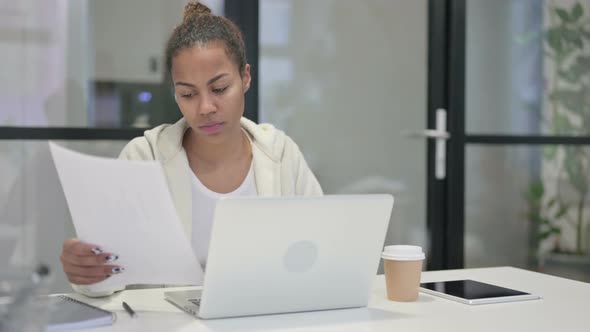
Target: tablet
474 292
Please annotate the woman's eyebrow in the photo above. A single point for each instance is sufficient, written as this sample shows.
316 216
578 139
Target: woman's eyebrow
185 84
214 79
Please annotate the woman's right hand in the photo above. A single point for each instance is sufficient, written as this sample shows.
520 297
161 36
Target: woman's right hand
86 264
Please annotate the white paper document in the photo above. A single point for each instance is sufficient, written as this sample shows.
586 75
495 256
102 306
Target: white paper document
125 207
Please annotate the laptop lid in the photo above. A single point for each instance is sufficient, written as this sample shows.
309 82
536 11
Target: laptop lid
278 255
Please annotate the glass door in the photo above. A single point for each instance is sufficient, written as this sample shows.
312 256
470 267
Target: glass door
518 93
348 82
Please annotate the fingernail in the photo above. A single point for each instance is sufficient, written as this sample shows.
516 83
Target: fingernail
96 251
118 269
111 258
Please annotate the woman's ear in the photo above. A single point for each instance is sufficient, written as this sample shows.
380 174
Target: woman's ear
246 78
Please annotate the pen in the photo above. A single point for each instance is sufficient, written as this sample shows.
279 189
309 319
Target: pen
129 310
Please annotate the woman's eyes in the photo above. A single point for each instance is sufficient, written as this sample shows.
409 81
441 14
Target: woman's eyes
219 90
187 95
192 94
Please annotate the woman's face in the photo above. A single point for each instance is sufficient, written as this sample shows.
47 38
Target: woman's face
210 91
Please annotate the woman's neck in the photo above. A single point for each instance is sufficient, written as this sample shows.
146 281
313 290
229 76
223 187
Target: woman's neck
234 148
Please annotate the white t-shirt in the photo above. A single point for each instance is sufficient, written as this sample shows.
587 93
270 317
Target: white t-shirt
204 201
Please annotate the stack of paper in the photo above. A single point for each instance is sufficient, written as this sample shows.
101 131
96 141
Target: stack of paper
125 207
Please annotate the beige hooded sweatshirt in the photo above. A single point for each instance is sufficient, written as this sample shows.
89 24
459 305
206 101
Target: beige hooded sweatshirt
279 168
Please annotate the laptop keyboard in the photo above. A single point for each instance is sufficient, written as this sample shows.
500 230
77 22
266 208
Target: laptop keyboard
196 302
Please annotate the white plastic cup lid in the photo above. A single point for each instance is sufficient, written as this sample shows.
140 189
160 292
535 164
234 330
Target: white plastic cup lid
403 253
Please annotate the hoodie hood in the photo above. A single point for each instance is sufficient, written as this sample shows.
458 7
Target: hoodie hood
168 139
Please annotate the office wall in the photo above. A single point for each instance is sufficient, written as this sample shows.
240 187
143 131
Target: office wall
129 37
34 44
346 79
46 50
47 67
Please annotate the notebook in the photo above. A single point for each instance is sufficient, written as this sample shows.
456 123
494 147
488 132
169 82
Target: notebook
67 314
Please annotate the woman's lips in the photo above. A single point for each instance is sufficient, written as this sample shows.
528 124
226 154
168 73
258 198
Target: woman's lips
211 128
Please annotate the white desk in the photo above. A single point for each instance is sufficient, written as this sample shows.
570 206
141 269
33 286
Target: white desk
564 307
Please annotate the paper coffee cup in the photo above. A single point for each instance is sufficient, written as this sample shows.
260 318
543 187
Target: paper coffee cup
403 266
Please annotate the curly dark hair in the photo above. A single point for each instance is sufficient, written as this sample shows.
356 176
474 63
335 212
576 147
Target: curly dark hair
200 27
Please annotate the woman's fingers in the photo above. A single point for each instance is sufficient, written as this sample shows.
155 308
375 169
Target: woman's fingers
92 272
86 263
79 248
92 260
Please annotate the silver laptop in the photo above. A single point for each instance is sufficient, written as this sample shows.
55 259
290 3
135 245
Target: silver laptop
279 255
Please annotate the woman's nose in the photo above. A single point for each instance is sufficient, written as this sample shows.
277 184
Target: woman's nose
207 105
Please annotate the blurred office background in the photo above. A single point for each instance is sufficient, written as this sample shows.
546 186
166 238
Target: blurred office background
348 81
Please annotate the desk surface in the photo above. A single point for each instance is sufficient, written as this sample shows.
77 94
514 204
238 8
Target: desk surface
564 307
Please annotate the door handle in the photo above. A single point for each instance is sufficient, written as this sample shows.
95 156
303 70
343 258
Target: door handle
430 133
441 135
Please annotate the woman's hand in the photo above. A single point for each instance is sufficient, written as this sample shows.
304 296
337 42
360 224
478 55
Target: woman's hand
86 264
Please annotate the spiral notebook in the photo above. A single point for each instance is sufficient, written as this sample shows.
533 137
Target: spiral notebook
68 314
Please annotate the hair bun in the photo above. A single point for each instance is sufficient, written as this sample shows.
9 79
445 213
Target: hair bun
195 9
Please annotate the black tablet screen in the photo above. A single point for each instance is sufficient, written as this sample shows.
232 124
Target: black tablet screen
470 289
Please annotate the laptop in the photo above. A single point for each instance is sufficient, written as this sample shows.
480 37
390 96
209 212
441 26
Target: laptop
290 254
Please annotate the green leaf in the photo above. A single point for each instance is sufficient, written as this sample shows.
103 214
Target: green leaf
547 231
554 39
544 221
577 12
543 235
536 219
563 15
573 37
536 191
562 124
561 212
